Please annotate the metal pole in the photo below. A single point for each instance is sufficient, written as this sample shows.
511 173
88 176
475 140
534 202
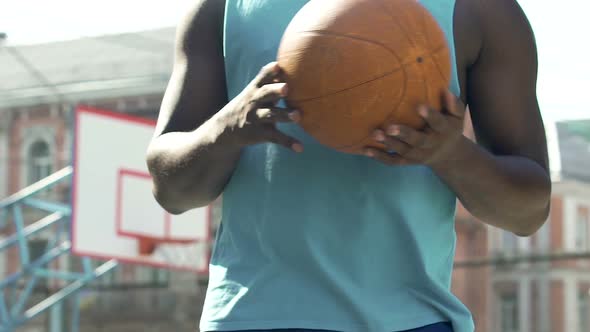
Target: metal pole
4 315
65 292
523 258
54 305
75 307
23 245
55 317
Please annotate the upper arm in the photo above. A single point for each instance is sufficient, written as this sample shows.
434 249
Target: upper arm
196 89
501 83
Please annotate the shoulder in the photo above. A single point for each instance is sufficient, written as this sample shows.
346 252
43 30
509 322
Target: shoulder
486 27
504 27
203 23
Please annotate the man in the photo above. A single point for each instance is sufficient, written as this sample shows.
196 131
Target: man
313 239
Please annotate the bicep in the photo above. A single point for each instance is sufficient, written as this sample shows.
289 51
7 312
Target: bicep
196 89
502 85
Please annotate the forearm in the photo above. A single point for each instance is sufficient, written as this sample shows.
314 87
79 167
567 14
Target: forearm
190 169
512 193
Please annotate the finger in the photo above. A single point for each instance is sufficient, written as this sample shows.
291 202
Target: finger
268 74
387 158
435 120
269 94
273 135
278 114
406 134
453 105
391 143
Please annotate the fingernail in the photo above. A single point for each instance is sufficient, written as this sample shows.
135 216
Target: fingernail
423 111
295 116
393 131
284 90
379 136
369 153
297 147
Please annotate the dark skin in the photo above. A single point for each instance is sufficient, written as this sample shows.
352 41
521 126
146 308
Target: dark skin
200 134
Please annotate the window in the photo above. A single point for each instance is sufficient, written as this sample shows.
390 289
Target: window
582 231
543 238
583 307
162 277
37 248
509 241
509 312
151 277
40 165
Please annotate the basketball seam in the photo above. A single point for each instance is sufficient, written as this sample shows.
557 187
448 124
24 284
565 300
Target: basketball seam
337 34
406 34
427 88
402 67
405 86
425 15
436 50
386 9
436 63
424 27
350 87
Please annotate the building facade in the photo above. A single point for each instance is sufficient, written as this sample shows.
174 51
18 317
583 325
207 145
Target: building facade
42 85
549 290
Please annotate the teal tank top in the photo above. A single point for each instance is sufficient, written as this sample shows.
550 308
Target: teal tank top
322 239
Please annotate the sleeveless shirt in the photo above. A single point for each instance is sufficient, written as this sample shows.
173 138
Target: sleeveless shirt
323 239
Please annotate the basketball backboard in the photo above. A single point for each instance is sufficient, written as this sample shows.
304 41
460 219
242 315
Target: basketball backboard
114 212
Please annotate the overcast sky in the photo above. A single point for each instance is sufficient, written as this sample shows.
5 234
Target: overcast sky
561 29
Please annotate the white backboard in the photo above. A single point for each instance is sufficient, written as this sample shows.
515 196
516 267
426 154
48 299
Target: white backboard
112 201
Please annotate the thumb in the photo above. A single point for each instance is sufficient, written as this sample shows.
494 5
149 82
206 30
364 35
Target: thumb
453 105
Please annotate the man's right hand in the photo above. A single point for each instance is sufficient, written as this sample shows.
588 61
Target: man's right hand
251 117
200 134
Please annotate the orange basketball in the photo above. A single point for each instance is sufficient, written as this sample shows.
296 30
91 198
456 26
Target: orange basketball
353 66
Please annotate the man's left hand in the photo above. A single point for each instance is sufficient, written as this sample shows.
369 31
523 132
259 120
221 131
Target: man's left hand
431 146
